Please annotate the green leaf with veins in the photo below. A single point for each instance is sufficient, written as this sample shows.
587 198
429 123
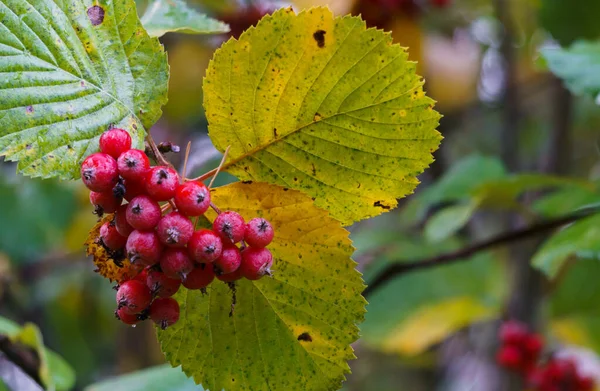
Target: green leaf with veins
70 70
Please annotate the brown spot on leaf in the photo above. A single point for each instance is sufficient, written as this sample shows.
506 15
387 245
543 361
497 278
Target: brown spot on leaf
246 182
381 205
96 15
319 36
275 132
317 117
305 337
314 169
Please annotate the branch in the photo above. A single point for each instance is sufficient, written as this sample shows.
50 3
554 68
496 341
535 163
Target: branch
461 255
157 155
25 359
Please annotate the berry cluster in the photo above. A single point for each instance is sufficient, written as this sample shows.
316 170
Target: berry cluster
165 248
521 351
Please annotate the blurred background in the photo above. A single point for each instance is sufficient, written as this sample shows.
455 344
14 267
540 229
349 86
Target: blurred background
505 115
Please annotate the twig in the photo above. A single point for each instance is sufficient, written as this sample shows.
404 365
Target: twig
219 168
464 254
159 157
214 171
185 160
22 357
215 208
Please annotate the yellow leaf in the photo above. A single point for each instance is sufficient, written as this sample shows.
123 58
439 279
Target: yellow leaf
569 330
322 105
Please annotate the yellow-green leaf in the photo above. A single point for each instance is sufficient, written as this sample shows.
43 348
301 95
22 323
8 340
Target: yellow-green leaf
290 332
323 105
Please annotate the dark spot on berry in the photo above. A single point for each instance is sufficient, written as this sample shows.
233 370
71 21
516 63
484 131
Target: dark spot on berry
96 15
209 249
381 205
88 174
130 162
137 209
305 337
200 198
319 36
162 175
119 190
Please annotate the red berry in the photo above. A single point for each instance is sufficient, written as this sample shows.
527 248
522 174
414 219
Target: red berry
104 202
121 223
133 296
161 285
99 172
130 319
533 345
192 198
256 263
114 142
133 165
111 238
134 188
143 213
161 183
230 226
513 332
200 277
440 3
175 230
143 248
585 383
510 357
205 246
141 276
231 277
176 263
258 233
164 311
229 261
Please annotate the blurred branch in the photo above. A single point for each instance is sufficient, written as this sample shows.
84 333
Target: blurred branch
464 254
22 357
557 158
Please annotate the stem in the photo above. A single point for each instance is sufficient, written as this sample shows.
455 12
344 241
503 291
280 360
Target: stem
159 156
215 208
185 159
25 359
214 172
461 255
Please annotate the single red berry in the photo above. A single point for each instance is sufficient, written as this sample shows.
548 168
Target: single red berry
112 239
585 383
161 285
161 183
176 263
205 246
231 277
440 3
143 247
121 223
99 172
256 263
201 277
105 202
230 226
141 276
533 345
143 213
229 261
164 311
175 230
192 198
134 188
513 332
129 319
133 296
133 164
510 357
258 233
114 142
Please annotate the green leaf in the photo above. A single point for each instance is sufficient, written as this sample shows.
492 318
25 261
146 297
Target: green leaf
580 239
566 200
63 376
165 16
578 66
568 21
323 105
8 327
158 378
448 221
289 332
71 69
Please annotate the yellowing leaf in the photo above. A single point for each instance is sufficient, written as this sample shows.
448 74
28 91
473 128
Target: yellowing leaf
105 264
433 323
325 106
289 332
570 330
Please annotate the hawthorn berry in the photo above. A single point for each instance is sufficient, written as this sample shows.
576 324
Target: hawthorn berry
161 183
104 202
205 246
230 226
129 319
121 223
229 261
99 172
133 164
192 198
143 213
164 311
161 285
533 345
440 3
201 277
175 230
133 188
258 233
143 247
114 142
176 263
111 238
513 332
133 297
510 357
256 263
231 277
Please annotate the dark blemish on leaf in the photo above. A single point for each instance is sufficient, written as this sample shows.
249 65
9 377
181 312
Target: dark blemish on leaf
96 15
295 179
69 147
275 132
246 182
29 109
319 36
314 169
246 168
305 337
313 198
285 189
379 204
317 117
82 84
134 126
28 146
50 156
358 187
